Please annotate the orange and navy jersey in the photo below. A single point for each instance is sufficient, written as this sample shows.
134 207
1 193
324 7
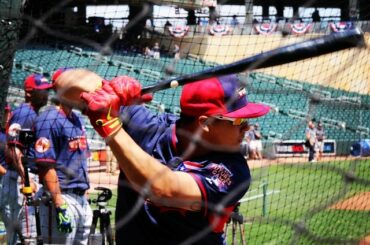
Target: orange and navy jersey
2 147
61 143
22 117
223 179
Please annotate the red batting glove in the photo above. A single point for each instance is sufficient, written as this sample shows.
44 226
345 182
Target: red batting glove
129 90
103 110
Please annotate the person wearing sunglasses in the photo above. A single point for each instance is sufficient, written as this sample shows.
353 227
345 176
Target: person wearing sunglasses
181 176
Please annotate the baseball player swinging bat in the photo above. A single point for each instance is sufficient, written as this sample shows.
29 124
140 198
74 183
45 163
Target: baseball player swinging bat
71 83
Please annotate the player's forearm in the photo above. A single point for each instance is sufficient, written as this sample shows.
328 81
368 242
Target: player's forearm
2 170
140 168
14 156
51 183
308 136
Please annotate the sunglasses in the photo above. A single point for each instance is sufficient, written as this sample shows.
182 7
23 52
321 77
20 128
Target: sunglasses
235 121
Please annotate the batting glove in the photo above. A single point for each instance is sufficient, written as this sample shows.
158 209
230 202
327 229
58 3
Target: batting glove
103 104
64 222
129 90
103 109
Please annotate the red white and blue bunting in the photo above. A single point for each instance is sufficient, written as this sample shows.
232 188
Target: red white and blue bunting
219 30
265 28
341 26
300 28
179 31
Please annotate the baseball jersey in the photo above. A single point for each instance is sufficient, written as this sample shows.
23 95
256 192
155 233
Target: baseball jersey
320 134
257 134
61 143
23 117
2 147
312 133
223 178
251 135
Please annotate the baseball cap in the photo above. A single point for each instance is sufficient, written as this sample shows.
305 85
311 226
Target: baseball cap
222 96
7 107
36 82
58 72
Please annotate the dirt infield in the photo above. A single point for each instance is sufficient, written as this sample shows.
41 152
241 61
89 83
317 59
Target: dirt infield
360 202
365 241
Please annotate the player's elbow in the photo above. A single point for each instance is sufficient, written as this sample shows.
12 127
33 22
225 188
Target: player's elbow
162 189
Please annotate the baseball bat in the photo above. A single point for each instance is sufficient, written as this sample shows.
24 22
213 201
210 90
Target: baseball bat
279 56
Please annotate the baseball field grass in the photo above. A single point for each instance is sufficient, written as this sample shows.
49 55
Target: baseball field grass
297 205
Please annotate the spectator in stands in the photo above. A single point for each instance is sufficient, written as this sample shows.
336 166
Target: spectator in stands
320 136
234 21
213 15
148 53
258 140
176 52
316 16
191 19
311 140
156 51
248 139
167 26
255 144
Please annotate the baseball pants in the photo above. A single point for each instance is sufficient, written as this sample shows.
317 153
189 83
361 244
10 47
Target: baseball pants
81 216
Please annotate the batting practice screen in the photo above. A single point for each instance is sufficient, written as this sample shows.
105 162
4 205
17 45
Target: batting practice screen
308 157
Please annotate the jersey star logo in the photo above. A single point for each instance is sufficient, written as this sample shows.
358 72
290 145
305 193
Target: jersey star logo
42 145
14 129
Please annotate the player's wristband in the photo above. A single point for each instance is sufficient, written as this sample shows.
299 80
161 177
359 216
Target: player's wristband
106 128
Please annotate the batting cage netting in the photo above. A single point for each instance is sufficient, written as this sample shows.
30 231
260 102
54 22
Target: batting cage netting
308 157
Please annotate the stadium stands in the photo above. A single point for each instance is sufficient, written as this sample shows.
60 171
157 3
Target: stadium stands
292 101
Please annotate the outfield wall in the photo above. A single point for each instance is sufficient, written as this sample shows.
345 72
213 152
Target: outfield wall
340 70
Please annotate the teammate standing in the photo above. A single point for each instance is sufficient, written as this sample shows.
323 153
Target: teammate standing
255 144
320 136
4 209
311 141
7 114
36 96
181 177
61 153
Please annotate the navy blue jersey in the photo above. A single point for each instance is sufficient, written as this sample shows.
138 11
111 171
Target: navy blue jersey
223 178
23 117
2 147
61 143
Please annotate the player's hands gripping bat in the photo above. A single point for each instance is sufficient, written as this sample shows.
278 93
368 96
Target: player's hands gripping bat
103 104
70 83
